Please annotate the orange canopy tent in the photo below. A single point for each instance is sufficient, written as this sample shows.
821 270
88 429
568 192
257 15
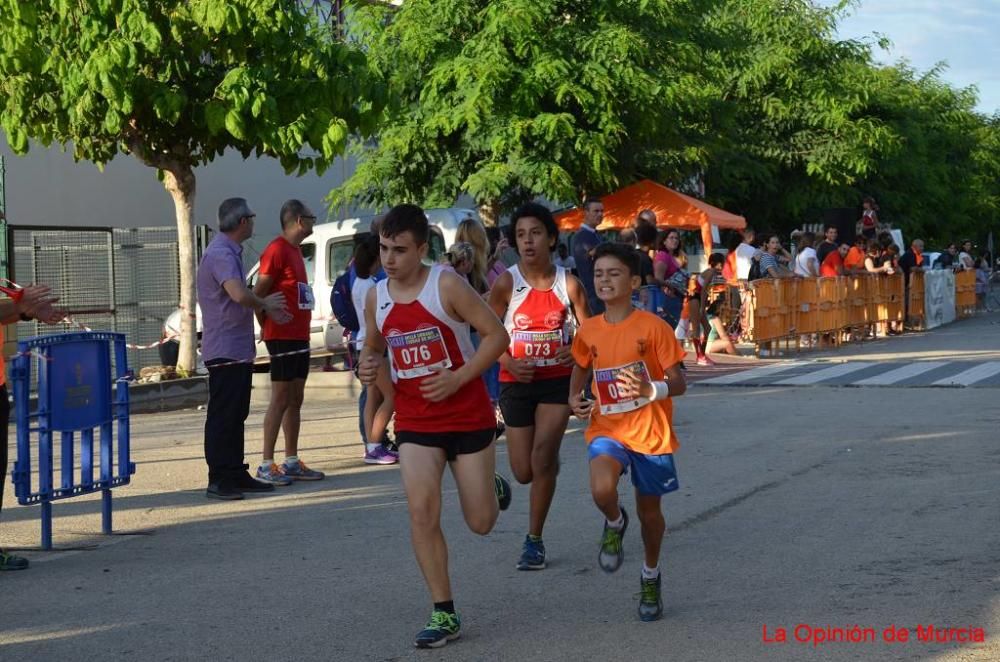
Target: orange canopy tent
673 209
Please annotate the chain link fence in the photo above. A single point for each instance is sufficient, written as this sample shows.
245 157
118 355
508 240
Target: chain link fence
110 279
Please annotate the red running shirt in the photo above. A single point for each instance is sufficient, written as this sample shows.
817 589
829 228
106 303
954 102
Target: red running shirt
422 338
283 262
537 323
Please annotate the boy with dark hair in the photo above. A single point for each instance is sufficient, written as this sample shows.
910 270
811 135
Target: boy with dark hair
635 361
423 315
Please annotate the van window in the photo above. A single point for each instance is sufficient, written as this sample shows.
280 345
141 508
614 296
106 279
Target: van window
338 255
309 257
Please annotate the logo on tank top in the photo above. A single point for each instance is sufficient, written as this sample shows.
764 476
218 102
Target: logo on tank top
521 321
521 289
554 319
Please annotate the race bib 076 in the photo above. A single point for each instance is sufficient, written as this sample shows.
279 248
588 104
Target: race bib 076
539 347
607 389
418 353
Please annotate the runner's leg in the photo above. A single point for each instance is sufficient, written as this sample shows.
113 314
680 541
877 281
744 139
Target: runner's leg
474 475
421 468
550 426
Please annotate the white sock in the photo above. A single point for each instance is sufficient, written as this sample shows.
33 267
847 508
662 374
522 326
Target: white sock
618 523
292 460
266 464
650 573
370 448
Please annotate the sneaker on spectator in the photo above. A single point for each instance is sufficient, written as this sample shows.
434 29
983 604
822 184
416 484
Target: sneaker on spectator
299 471
705 361
273 476
381 455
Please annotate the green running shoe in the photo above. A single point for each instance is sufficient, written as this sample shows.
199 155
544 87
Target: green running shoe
611 555
650 603
442 628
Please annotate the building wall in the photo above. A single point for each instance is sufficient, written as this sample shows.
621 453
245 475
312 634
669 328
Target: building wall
46 187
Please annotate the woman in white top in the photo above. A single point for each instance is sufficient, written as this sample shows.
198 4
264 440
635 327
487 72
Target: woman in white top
806 263
965 260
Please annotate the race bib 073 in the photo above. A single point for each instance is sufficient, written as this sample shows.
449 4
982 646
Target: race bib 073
607 389
539 347
418 353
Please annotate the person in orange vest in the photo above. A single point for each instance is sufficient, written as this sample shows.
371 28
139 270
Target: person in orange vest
33 302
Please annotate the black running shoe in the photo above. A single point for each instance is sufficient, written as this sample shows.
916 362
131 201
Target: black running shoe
502 488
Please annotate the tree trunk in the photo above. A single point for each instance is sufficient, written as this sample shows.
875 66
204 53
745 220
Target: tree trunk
180 183
489 211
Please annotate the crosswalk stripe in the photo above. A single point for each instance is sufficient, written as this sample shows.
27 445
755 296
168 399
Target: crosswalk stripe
899 374
823 375
751 375
971 376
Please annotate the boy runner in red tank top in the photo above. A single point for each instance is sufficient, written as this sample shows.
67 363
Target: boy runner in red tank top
537 301
423 315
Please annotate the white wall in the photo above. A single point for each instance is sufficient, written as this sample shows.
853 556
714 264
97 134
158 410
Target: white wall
46 187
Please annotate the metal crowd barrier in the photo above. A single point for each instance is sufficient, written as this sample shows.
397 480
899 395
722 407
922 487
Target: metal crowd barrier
76 397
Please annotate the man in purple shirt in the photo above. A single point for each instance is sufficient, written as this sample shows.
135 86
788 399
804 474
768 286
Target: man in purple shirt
227 348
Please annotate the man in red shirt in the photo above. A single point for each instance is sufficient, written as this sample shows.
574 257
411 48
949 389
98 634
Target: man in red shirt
282 269
831 262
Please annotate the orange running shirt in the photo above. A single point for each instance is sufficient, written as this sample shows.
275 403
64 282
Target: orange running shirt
642 342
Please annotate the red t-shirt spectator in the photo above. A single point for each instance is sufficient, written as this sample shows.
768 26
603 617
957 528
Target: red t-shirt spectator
284 264
830 261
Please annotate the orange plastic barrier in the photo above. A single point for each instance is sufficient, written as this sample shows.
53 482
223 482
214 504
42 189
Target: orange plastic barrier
916 309
965 293
790 308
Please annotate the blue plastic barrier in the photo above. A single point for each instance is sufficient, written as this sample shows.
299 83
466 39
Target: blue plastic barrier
74 396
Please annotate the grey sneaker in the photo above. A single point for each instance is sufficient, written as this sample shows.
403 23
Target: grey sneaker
611 555
650 602
301 472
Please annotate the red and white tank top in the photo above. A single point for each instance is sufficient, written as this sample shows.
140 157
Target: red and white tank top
539 323
422 338
868 219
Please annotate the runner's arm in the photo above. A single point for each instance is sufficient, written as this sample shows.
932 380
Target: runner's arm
469 307
577 297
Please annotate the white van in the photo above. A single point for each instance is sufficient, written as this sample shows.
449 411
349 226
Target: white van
327 253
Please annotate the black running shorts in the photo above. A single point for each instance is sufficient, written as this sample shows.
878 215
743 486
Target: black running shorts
518 401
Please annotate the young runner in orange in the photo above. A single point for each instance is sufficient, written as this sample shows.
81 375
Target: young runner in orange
541 305
635 361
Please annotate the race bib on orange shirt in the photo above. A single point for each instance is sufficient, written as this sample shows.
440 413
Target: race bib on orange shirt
607 389
306 299
418 353
539 347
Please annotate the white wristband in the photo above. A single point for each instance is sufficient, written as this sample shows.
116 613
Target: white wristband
661 391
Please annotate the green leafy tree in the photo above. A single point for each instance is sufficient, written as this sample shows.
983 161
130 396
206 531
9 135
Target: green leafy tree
508 99
175 83
793 123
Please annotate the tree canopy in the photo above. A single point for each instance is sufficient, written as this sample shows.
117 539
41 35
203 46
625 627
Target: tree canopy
177 82
505 100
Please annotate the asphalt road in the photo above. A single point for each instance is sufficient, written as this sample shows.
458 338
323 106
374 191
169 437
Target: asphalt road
799 508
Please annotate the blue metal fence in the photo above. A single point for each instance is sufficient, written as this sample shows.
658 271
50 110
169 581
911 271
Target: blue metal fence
76 397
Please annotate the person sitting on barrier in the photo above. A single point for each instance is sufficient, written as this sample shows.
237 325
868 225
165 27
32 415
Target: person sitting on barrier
769 266
27 303
713 296
806 264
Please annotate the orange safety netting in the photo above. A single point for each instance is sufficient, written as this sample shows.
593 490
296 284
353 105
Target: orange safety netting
673 209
